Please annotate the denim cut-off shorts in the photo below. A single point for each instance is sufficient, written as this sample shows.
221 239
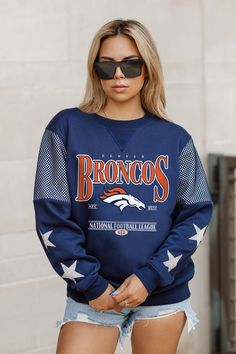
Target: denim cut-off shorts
124 320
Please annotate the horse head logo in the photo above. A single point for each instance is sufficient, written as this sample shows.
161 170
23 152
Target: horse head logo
121 199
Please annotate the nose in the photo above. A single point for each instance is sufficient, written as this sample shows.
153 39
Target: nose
118 72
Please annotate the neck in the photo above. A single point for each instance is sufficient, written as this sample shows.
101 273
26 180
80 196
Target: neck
123 110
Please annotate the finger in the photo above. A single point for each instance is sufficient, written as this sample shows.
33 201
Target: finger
117 308
121 288
121 297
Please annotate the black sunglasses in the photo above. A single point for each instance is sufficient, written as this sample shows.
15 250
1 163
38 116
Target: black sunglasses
106 69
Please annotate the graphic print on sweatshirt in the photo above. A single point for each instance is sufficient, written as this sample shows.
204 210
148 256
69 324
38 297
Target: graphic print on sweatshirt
121 199
122 173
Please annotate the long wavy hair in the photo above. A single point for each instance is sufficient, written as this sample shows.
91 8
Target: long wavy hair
152 93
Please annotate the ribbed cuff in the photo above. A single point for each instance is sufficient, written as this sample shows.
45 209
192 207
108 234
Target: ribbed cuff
151 279
96 289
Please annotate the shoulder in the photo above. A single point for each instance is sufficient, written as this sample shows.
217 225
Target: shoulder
59 122
64 120
173 130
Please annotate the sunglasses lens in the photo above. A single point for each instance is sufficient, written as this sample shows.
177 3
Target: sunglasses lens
106 70
131 68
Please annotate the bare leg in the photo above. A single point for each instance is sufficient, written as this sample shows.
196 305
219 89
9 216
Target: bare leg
80 338
158 335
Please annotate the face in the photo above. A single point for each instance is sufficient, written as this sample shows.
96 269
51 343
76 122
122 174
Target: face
118 48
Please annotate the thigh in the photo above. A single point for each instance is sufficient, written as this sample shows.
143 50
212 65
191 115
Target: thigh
80 337
158 335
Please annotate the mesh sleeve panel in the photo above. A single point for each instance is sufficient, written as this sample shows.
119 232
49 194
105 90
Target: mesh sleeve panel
193 185
51 180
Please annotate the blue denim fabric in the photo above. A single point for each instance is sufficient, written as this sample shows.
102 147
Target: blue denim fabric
75 311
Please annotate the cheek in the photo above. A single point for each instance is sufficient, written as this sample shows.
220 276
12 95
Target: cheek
138 84
139 81
105 85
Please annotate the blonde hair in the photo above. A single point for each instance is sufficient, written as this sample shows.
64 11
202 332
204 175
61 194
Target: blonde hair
152 93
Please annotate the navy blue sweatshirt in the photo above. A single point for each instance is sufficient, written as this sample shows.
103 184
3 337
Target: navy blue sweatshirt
114 198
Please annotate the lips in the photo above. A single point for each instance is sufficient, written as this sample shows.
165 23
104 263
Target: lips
119 86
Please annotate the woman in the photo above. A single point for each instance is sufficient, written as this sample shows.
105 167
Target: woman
121 203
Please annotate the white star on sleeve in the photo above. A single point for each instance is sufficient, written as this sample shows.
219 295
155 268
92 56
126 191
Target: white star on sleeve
70 272
199 234
45 238
172 261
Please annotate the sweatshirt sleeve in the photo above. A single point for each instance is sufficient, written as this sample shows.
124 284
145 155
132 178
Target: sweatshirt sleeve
63 240
193 212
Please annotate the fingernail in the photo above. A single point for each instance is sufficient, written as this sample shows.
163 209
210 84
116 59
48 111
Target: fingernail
115 292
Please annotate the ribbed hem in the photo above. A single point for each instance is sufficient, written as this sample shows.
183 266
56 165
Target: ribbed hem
170 296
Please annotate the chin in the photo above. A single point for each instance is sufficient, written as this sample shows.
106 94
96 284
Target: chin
123 96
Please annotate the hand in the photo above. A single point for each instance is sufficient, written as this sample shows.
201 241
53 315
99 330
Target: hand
132 290
105 301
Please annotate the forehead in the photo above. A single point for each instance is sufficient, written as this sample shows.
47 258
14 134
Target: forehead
118 47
